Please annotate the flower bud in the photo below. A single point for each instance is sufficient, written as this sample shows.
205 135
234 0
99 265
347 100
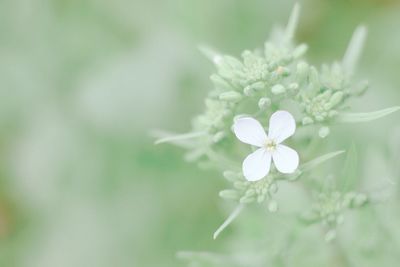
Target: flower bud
248 90
246 199
278 89
264 103
273 206
229 194
258 86
220 82
302 70
335 99
218 137
307 120
250 192
323 132
239 185
299 51
231 96
260 198
330 235
231 176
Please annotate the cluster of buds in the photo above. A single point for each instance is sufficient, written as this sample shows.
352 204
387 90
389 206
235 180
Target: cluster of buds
246 192
329 208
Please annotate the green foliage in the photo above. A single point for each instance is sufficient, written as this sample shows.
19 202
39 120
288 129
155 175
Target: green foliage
276 77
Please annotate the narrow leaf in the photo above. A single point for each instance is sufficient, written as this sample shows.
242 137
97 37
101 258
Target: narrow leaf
367 116
354 50
179 137
210 53
228 221
319 160
293 21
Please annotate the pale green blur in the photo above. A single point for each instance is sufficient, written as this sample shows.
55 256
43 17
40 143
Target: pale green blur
84 83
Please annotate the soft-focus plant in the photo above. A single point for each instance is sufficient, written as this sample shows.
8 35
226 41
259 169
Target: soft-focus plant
304 102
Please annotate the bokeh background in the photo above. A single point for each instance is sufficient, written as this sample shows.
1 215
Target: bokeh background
84 82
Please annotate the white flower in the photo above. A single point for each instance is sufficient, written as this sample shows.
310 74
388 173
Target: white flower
257 165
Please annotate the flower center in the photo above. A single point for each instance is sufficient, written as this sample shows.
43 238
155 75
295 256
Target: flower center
270 145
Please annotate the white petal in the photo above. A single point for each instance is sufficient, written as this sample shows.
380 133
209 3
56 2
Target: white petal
250 131
281 126
256 165
286 160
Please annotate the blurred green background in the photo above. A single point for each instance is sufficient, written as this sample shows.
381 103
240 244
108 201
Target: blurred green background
82 84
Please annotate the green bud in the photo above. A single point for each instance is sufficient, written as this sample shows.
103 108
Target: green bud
336 99
273 188
314 79
323 132
330 235
273 206
229 194
250 192
258 86
309 217
278 89
240 185
325 95
233 62
248 90
218 137
307 120
231 176
231 96
260 198
300 50
302 70
220 82
319 118
246 200
264 103
264 190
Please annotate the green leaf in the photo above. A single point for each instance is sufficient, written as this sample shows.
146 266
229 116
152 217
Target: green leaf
292 23
229 220
350 175
312 164
367 116
354 50
319 160
179 137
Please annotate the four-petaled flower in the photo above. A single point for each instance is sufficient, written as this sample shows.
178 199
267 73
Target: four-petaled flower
257 165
